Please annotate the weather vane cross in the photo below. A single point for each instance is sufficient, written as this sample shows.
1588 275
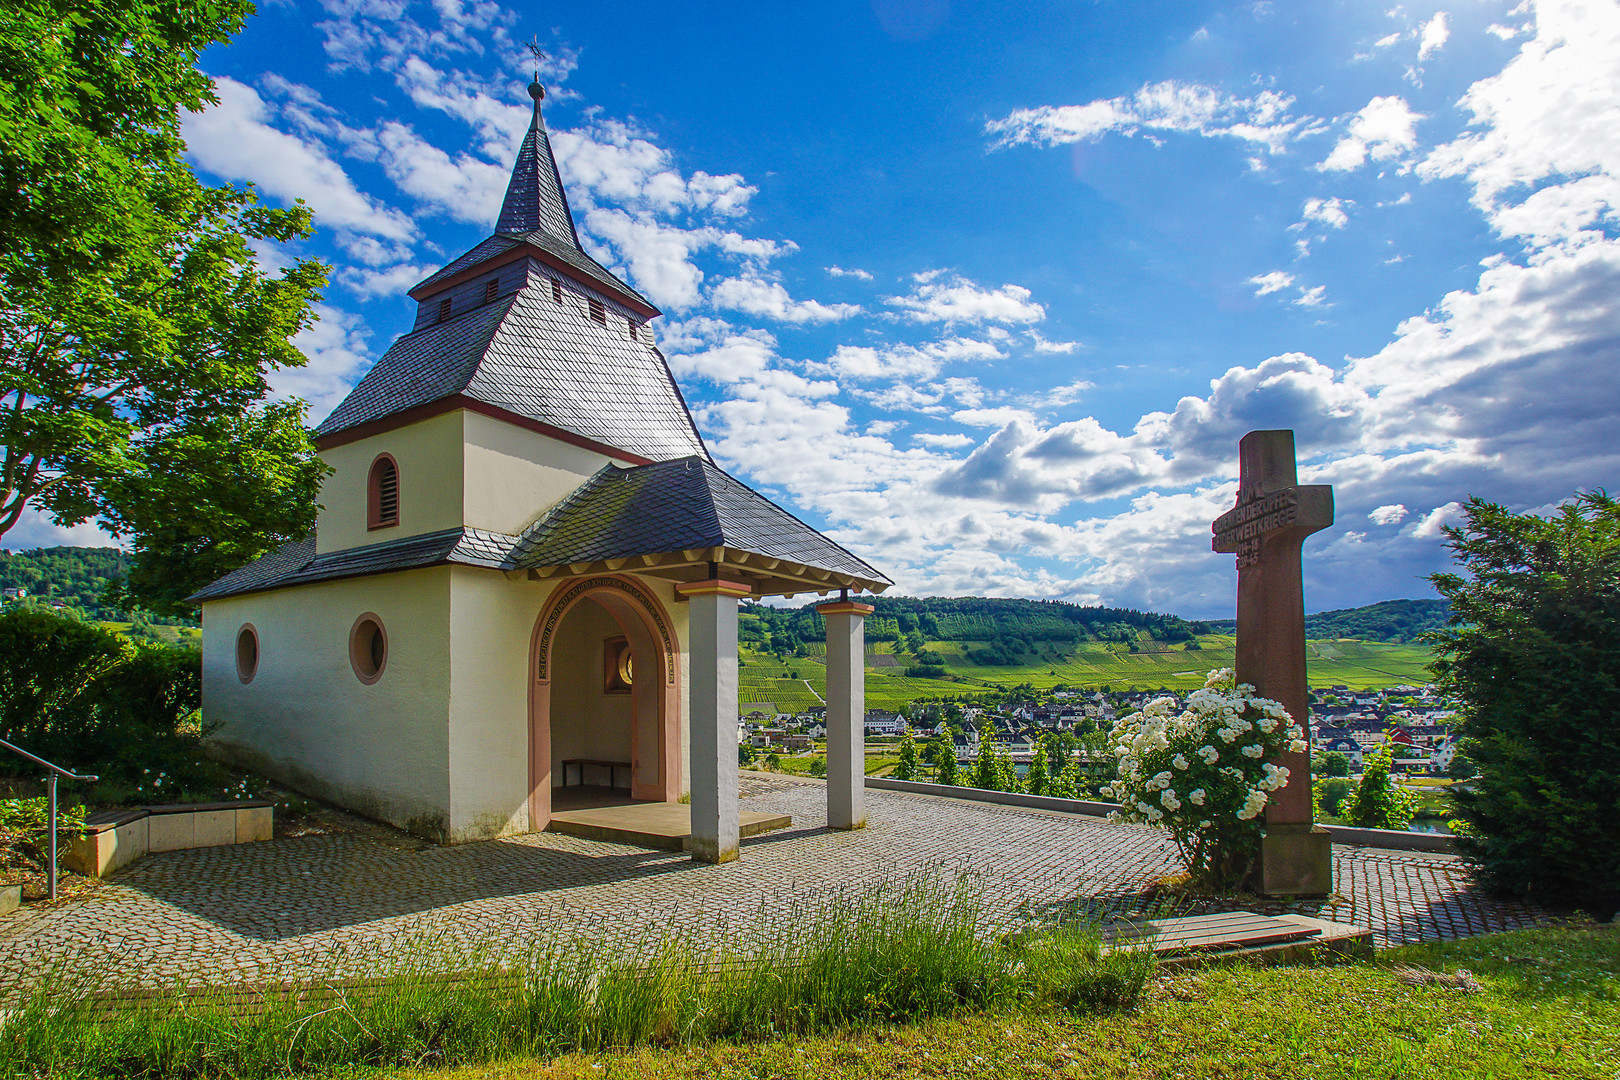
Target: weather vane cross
534 47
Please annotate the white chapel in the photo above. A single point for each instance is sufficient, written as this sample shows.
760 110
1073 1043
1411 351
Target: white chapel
526 568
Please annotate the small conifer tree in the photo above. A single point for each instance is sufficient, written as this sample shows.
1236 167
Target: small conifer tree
1035 781
907 767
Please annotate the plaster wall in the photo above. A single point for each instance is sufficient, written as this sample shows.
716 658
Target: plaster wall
430 456
512 476
492 617
307 720
586 722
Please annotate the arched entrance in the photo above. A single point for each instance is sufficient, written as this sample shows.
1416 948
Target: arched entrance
603 686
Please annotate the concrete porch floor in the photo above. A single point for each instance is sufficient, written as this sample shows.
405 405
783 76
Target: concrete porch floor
660 826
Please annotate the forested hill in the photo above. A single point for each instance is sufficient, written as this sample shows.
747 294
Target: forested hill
74 575
1389 620
1004 629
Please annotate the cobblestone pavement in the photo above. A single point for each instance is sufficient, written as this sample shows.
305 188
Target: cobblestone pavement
329 904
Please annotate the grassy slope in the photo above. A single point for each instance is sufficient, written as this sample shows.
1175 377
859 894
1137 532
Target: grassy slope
1550 1008
1357 664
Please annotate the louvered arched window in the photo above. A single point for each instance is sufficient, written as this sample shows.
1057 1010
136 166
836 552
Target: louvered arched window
382 493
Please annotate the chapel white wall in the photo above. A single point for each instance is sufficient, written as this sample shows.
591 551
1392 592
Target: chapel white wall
308 721
429 455
513 475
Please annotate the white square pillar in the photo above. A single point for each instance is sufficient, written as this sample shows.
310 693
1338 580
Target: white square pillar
846 712
713 640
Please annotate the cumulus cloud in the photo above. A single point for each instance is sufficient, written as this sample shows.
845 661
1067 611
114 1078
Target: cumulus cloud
1434 36
235 140
951 298
1169 106
755 296
1549 114
1329 212
1385 128
839 271
1390 514
1275 281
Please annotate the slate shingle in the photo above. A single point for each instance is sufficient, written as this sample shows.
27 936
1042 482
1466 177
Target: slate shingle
673 506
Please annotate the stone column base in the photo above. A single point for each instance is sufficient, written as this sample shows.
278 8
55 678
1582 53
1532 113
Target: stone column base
1295 860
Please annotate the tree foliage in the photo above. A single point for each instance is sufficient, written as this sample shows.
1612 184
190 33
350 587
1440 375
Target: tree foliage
92 701
136 323
1532 658
1377 802
906 767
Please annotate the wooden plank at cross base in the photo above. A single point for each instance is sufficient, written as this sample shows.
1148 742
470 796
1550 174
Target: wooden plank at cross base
1265 530
1227 930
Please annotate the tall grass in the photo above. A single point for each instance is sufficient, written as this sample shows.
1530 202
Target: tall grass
924 946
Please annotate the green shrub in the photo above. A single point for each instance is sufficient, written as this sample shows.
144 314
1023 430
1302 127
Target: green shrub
1332 763
1328 794
1378 802
1531 655
91 701
25 830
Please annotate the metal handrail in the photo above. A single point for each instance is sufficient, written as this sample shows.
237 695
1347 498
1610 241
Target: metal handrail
50 824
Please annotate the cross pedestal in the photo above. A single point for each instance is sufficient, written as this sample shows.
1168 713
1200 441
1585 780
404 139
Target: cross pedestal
1273 516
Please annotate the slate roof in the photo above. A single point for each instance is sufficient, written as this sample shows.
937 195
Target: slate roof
540 360
297 564
673 506
535 211
618 513
534 196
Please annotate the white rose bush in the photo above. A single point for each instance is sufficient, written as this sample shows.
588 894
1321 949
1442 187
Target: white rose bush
1204 774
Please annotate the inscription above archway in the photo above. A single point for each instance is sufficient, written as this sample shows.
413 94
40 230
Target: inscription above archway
563 602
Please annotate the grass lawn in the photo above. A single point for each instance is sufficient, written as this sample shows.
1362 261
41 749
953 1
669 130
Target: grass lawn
1550 1007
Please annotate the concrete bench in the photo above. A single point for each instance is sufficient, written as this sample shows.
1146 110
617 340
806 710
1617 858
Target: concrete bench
115 838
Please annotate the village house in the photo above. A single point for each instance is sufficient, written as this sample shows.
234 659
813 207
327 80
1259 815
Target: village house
526 567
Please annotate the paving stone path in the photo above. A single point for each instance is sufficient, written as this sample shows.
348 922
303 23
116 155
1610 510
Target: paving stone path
336 904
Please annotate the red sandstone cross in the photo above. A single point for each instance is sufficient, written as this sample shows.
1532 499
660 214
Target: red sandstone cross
1273 516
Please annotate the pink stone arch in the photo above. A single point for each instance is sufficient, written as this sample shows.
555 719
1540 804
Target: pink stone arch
655 743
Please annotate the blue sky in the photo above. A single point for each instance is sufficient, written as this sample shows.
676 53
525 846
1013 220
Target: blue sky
990 292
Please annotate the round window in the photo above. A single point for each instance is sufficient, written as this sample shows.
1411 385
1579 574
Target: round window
368 648
247 652
625 672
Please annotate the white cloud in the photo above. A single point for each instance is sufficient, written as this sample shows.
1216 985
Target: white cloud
1329 212
839 271
903 361
1157 107
37 529
1431 526
336 350
1275 281
1434 36
1551 113
1315 296
234 141
951 298
944 440
754 296
1385 128
1389 514
1042 345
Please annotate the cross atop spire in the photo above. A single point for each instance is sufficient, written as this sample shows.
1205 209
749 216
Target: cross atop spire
535 201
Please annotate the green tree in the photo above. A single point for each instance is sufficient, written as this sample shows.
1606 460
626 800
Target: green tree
1035 781
1531 656
1332 763
136 315
1378 802
993 769
906 768
945 762
818 766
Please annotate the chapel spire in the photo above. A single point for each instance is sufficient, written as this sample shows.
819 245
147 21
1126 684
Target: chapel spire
535 201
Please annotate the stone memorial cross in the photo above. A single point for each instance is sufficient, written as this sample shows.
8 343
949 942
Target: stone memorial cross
1273 516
